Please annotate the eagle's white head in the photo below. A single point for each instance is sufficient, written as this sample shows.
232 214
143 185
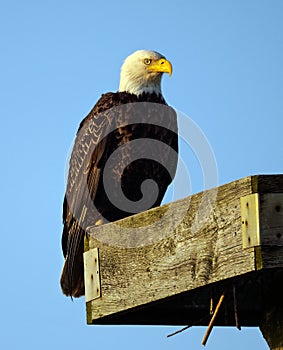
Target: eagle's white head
142 71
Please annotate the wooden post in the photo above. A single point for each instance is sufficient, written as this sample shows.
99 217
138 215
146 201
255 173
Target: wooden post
159 268
272 321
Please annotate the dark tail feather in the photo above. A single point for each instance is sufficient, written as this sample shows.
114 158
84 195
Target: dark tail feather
72 277
73 285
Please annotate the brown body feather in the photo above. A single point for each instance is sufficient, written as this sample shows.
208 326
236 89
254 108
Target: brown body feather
105 129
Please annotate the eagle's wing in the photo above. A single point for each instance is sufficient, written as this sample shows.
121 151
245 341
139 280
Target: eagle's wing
96 140
89 152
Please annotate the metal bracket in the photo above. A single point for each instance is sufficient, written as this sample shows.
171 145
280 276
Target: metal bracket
92 275
262 219
250 220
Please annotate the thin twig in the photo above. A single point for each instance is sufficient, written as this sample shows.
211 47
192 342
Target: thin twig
211 323
183 329
178 331
211 306
236 308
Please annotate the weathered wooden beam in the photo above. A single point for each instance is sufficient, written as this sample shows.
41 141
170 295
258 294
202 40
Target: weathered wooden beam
163 266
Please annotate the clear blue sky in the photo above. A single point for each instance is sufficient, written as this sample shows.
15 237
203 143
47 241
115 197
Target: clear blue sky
57 57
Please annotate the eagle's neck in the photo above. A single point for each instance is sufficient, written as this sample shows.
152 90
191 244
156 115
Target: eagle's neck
138 85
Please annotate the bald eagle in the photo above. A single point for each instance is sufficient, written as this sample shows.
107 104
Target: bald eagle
136 112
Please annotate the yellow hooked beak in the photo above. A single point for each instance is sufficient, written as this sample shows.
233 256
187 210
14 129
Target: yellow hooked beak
160 66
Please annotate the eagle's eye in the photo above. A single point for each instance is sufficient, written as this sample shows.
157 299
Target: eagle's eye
147 61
